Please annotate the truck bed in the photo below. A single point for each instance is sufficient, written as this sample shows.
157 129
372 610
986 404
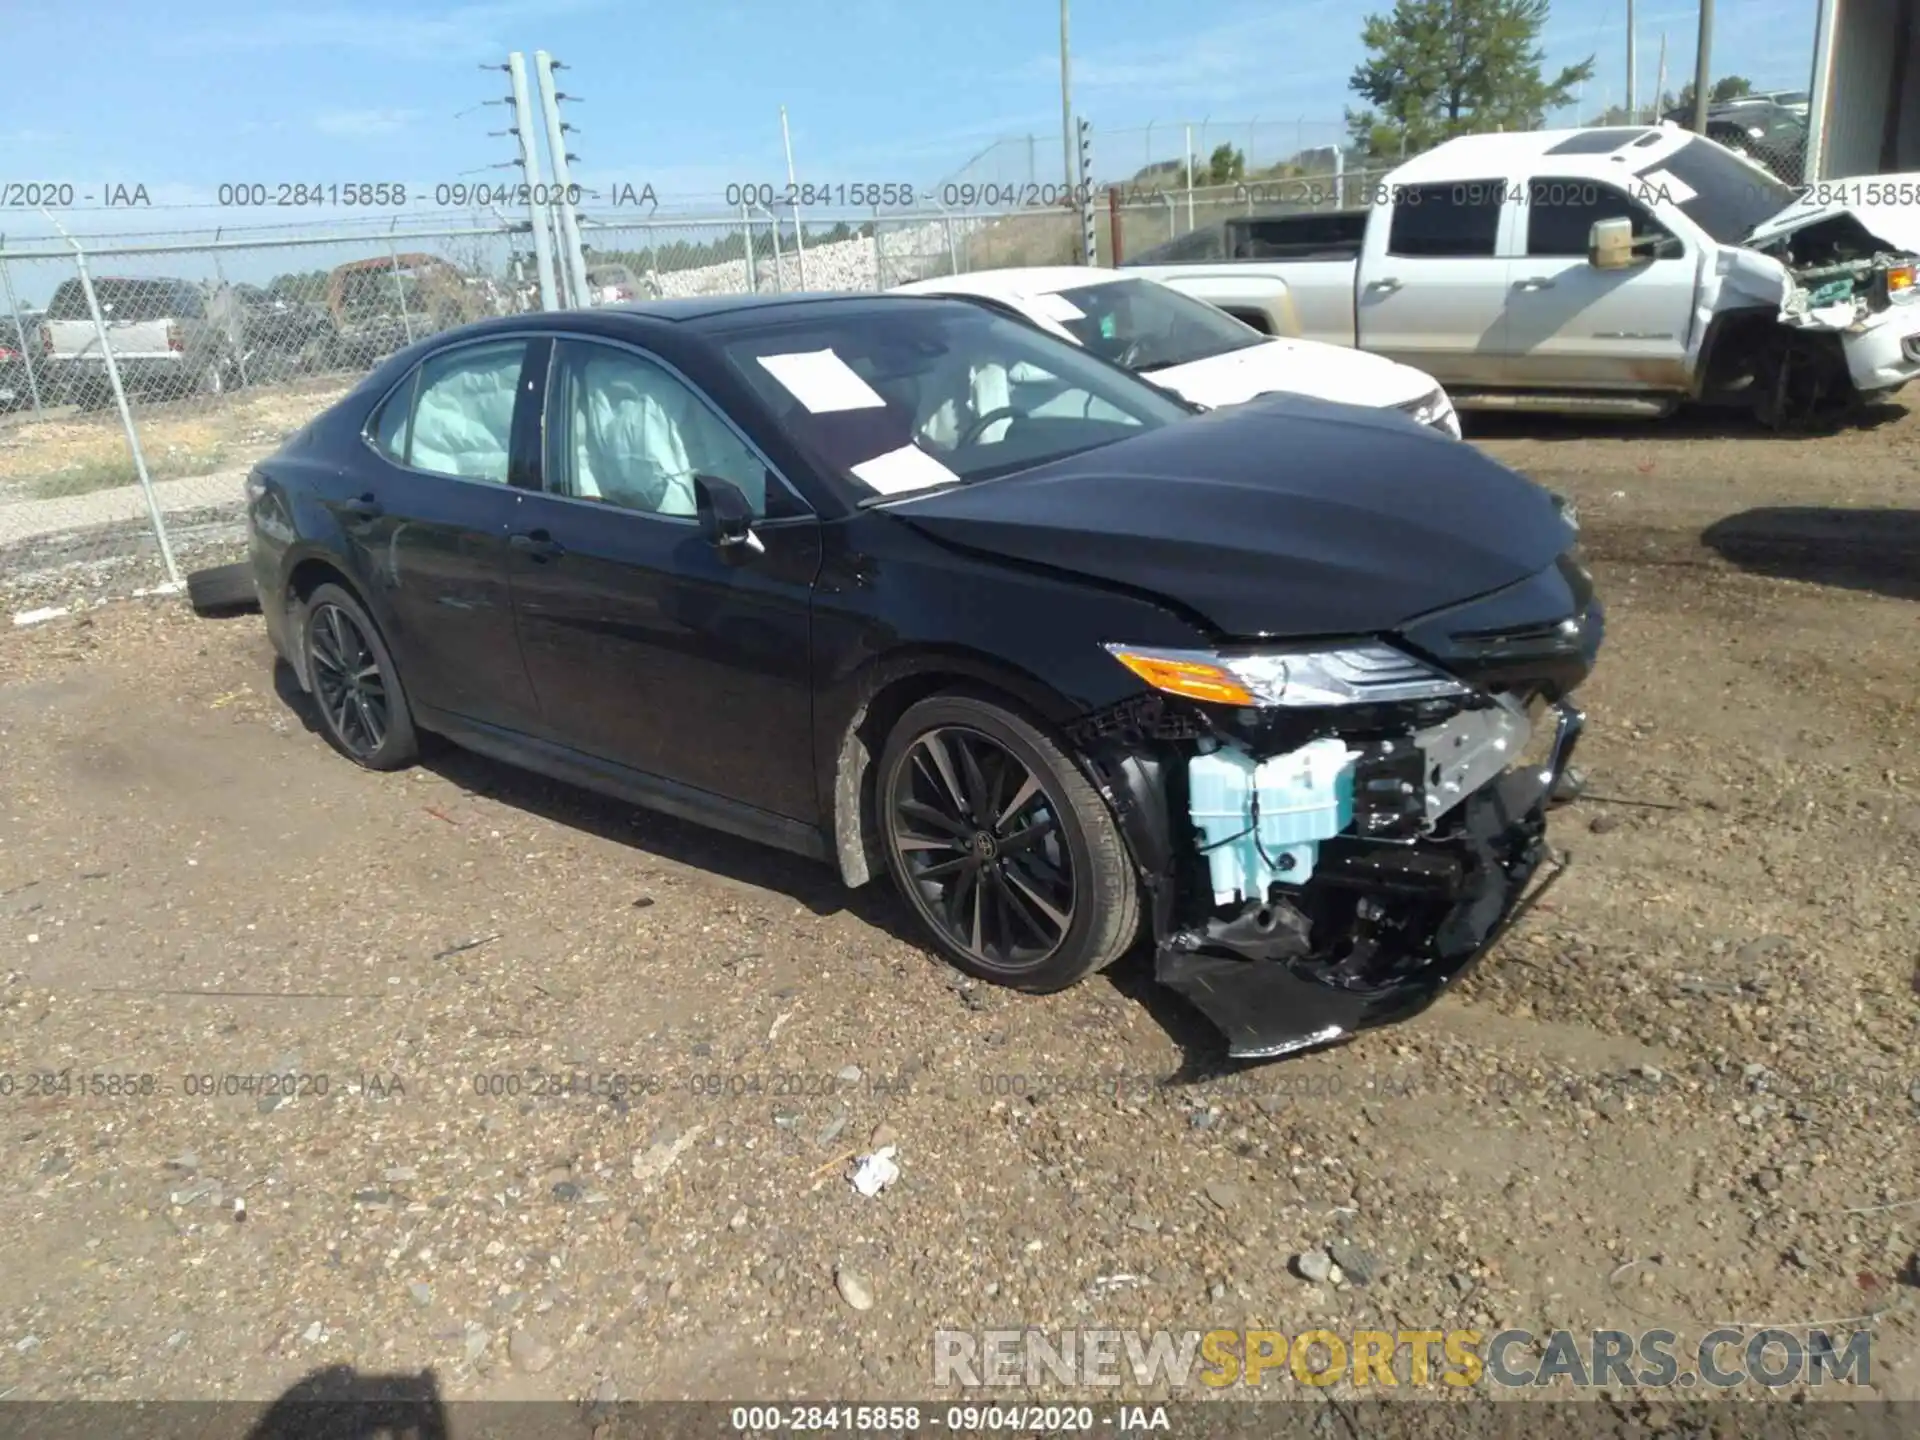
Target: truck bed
1303 235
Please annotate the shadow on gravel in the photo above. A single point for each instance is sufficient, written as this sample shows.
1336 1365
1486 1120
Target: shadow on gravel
339 1403
816 886
811 884
1688 424
1872 550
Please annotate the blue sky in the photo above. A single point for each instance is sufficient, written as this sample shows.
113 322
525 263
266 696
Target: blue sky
185 95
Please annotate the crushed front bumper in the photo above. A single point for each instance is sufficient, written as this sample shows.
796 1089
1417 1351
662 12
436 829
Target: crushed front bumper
1379 933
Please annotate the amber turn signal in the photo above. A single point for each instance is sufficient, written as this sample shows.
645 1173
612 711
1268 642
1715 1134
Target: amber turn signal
1194 679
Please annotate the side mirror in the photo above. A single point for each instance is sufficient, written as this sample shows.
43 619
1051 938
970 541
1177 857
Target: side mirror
1610 244
726 519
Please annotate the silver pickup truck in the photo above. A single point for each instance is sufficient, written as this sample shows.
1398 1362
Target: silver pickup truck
1623 270
166 343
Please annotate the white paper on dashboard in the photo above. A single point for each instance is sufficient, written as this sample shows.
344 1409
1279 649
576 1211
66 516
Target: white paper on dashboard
908 468
1055 306
1658 185
822 381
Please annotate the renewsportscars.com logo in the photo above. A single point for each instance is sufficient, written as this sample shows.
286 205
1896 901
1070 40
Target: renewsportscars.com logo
1391 1359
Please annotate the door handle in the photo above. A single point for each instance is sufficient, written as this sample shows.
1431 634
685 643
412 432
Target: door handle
538 545
1383 287
364 507
1536 282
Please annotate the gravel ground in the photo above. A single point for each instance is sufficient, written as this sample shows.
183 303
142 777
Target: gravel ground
1682 1094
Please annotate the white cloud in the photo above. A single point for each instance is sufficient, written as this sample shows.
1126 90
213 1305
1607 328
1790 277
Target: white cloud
363 124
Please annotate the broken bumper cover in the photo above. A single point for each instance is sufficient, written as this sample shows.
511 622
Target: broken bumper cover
1886 355
1426 912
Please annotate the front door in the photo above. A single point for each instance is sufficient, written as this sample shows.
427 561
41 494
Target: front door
430 517
645 645
1569 324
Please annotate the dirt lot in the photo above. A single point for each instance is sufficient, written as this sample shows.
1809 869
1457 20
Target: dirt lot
1683 1094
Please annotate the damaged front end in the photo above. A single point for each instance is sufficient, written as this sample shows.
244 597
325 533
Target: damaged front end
1330 856
1845 306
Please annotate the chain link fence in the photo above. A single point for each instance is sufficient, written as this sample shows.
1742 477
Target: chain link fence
145 381
222 346
140 381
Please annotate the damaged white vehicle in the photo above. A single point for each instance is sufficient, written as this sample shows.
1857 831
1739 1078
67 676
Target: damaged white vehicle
1622 270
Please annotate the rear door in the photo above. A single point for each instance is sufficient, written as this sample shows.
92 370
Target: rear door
1569 324
1433 284
428 517
645 646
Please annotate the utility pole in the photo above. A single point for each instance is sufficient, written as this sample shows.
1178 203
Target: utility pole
1633 68
573 257
1660 80
793 189
1066 102
1702 67
516 67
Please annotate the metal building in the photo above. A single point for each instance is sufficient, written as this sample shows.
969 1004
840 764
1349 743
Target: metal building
1864 112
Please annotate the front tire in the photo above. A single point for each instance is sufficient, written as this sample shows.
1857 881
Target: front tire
1007 856
355 684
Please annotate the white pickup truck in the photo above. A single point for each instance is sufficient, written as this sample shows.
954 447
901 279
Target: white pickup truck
1623 270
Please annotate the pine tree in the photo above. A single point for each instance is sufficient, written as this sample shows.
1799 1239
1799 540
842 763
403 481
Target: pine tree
1440 68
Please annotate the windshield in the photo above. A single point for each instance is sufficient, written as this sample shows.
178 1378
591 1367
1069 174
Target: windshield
908 395
1721 193
1143 325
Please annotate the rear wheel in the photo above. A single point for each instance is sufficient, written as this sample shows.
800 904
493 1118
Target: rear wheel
1007 855
356 686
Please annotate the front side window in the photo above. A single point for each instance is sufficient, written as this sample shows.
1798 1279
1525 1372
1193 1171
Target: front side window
1561 214
1143 325
626 431
461 419
1457 220
909 394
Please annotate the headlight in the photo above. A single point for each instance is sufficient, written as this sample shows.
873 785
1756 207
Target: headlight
1569 512
1435 409
1365 673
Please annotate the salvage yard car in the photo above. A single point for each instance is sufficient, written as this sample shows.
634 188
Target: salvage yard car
1287 685
1622 271
1191 348
166 345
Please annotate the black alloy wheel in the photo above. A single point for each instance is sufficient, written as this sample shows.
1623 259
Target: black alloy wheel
1005 852
355 686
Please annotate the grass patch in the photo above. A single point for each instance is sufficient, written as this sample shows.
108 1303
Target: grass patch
89 473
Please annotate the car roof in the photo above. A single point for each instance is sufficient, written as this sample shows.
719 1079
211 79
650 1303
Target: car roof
1593 151
694 309
1014 282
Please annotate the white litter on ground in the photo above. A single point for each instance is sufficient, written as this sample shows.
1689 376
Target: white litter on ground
37 617
876 1172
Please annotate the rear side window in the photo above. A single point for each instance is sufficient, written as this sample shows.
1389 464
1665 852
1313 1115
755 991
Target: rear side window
455 415
1458 220
128 300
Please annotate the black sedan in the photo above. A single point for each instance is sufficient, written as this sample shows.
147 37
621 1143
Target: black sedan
904 585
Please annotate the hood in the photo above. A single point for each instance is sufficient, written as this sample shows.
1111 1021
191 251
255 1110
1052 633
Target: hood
1897 226
1297 367
1285 516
